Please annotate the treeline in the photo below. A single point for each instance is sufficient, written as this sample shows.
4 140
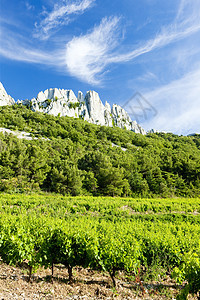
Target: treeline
71 156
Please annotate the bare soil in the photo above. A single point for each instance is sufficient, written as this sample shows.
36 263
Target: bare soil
87 284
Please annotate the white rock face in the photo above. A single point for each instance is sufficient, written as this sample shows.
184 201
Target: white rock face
135 127
95 108
89 108
153 131
20 134
108 115
121 118
5 99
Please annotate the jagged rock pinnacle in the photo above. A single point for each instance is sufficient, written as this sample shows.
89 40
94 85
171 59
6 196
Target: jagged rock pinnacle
5 99
89 108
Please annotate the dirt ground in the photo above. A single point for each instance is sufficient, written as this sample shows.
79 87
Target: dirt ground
87 284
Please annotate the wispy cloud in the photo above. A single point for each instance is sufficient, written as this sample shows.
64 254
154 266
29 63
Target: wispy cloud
188 12
167 37
148 76
6 21
186 23
15 47
177 104
86 56
59 16
29 6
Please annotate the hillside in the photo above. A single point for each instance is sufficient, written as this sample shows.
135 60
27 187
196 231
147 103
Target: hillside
72 156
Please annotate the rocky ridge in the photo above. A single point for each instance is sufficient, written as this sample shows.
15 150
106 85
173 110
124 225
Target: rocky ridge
89 108
5 99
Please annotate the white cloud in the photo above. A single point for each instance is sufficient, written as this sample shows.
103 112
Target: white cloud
177 104
15 47
188 12
86 56
164 39
8 21
60 15
148 76
29 6
187 23
20 48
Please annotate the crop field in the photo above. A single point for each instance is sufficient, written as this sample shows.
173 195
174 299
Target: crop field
140 240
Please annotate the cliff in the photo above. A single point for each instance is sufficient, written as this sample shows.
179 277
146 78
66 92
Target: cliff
89 108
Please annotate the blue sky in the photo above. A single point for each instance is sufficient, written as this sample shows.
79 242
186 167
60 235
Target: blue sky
150 48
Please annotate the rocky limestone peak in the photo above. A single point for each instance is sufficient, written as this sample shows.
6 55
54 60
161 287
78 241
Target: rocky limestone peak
89 108
121 117
71 96
135 127
107 107
5 99
95 107
108 115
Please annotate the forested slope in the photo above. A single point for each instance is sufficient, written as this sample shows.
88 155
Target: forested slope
71 156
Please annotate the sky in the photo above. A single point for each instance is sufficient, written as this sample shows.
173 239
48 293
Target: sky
141 54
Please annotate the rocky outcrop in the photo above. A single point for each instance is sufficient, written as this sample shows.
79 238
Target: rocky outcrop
20 134
5 99
95 108
89 108
123 120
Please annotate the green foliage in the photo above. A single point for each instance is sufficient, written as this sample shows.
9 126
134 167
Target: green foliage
74 105
74 157
48 101
190 271
117 251
103 234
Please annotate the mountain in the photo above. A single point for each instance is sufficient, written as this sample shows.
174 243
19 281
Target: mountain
5 99
89 108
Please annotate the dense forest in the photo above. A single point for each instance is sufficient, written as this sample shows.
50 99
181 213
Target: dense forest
72 157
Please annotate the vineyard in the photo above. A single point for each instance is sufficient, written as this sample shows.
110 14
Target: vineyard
111 235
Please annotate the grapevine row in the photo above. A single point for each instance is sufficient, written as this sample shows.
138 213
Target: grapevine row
96 243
